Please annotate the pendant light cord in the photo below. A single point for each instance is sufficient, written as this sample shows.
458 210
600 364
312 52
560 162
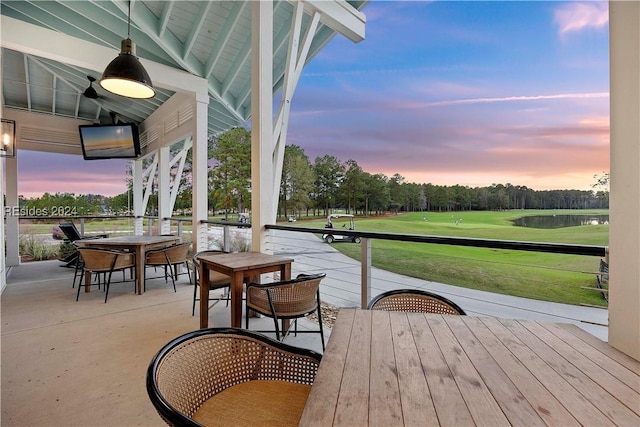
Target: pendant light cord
129 21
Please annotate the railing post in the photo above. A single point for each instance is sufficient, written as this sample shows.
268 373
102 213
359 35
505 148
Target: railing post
179 228
81 227
365 271
226 238
150 227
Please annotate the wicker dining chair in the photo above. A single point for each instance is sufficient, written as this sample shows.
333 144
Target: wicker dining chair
216 281
288 299
414 300
104 261
170 258
230 376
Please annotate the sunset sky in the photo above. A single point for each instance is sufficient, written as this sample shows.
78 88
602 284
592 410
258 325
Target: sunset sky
445 92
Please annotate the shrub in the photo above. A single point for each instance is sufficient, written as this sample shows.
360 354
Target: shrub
36 249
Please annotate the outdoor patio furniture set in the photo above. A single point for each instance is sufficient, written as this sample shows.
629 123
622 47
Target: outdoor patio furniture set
231 376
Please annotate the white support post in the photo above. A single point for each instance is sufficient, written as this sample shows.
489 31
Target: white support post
138 205
180 158
199 167
263 205
365 272
164 190
296 58
12 230
624 232
3 266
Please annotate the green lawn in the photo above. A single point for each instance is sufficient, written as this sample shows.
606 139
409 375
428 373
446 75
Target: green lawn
545 276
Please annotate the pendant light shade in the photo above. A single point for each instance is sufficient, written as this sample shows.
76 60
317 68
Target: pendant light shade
126 76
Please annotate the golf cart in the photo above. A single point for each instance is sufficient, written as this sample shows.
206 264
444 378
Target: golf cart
329 237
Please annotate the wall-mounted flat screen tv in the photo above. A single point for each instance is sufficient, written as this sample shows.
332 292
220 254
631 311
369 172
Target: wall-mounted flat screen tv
120 141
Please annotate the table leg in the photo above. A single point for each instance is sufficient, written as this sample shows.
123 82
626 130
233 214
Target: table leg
236 299
87 281
204 296
140 271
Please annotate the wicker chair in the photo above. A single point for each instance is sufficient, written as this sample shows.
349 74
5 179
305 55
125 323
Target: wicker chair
289 299
104 261
170 258
414 300
216 281
228 376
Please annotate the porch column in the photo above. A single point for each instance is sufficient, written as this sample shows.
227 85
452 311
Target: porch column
164 191
263 205
12 230
3 267
199 171
624 231
138 206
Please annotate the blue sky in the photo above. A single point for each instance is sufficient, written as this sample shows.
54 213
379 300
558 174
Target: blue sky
448 92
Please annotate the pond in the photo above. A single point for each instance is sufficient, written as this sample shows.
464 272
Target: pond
559 221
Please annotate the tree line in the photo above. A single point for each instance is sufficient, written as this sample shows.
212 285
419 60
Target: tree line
327 184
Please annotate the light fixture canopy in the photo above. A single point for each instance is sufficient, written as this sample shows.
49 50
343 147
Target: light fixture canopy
8 138
125 75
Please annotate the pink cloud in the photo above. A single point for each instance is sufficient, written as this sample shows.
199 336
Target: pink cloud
578 16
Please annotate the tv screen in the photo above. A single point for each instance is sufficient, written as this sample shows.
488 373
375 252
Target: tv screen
119 141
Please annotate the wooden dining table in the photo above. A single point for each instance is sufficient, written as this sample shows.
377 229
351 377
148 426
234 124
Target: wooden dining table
241 267
413 369
136 244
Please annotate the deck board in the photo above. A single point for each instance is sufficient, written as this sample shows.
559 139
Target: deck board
619 371
509 380
582 409
625 394
604 348
450 406
355 379
385 408
617 412
415 396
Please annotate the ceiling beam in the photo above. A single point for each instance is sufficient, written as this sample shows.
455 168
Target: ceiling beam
338 15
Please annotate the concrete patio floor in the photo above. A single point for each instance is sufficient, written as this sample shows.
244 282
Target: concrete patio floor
68 363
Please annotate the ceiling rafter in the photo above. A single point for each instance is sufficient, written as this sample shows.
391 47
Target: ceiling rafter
71 22
238 64
77 108
28 81
115 29
225 34
146 21
164 17
28 16
55 75
195 29
54 94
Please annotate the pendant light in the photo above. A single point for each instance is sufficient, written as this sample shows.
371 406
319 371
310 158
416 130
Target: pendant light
125 75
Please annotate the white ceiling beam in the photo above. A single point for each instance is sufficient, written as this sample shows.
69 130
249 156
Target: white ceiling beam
164 18
224 36
195 29
338 15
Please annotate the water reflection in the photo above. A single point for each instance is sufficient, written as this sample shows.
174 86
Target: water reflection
559 221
